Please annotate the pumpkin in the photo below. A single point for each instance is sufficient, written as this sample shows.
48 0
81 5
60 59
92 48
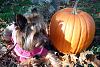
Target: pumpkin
71 33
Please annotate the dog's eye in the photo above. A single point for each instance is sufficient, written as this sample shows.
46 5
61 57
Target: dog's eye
15 24
32 27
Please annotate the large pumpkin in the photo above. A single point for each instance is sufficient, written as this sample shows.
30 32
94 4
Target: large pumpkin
71 33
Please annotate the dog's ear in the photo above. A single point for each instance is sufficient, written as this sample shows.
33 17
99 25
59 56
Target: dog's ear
34 10
20 21
34 17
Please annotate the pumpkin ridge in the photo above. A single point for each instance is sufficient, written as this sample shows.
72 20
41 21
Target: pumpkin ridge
65 33
78 36
83 37
72 31
67 28
92 25
87 33
84 44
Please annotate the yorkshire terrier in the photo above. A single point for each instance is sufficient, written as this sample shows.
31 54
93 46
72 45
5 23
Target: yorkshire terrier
30 36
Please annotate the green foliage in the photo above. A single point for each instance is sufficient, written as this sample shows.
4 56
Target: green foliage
90 65
9 8
92 8
6 16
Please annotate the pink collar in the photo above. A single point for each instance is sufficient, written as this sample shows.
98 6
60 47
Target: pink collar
27 54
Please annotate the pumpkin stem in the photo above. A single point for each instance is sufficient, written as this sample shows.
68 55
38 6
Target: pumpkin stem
75 7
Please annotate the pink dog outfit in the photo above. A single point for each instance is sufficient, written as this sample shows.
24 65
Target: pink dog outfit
24 54
28 54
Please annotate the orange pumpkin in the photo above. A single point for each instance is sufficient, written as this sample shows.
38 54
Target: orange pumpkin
71 33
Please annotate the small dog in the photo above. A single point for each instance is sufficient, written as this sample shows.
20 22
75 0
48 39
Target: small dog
30 37
28 34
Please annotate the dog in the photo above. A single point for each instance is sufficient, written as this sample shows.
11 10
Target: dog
30 37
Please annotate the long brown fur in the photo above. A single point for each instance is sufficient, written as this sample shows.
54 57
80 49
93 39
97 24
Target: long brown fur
34 33
19 38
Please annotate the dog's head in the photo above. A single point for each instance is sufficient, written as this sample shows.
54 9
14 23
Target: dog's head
30 33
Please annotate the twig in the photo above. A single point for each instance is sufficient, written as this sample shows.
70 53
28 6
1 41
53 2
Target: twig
8 51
